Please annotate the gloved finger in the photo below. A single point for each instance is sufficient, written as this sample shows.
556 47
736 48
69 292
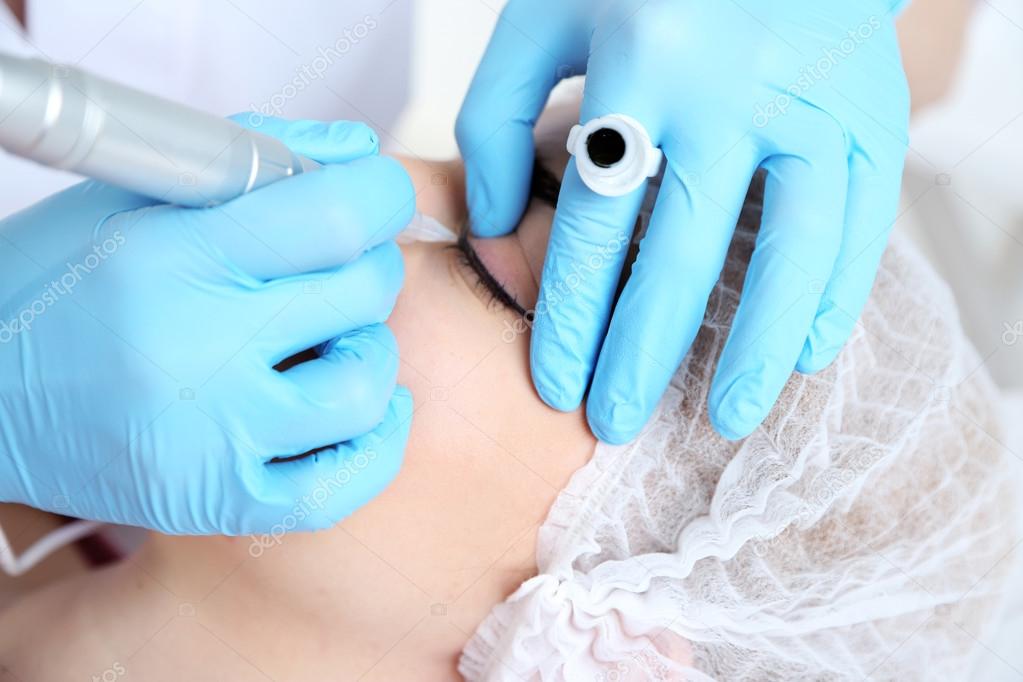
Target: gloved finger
873 198
589 241
90 202
523 61
333 142
337 396
796 248
663 303
316 308
314 221
328 486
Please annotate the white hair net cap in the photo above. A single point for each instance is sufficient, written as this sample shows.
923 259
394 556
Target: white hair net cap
861 532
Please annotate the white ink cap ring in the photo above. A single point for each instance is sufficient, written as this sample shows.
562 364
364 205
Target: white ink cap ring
613 154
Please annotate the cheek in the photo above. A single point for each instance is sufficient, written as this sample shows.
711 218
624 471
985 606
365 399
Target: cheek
474 362
486 457
443 332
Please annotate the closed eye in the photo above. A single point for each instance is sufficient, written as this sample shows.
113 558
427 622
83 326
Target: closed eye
485 280
545 189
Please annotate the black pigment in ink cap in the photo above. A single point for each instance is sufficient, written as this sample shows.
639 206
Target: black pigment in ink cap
606 147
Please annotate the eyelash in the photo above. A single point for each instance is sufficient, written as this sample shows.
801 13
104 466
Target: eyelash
485 282
478 283
545 188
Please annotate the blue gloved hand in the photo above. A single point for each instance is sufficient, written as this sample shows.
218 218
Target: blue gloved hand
812 91
138 342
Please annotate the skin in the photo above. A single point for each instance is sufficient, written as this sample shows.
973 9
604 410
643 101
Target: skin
395 591
22 526
931 35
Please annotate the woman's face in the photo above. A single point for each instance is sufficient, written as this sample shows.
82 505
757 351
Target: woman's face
486 455
455 533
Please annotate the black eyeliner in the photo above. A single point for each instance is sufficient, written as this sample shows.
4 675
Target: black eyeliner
485 278
545 188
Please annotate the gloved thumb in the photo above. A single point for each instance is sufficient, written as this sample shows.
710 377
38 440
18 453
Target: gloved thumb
498 169
335 142
522 63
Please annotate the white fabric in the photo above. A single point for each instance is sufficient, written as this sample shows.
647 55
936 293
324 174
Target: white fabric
1005 664
1005 660
860 533
318 59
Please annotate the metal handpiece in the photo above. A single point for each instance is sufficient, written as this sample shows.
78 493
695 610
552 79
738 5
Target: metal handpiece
65 118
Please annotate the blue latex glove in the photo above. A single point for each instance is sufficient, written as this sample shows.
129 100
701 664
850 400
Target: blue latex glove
138 341
813 91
